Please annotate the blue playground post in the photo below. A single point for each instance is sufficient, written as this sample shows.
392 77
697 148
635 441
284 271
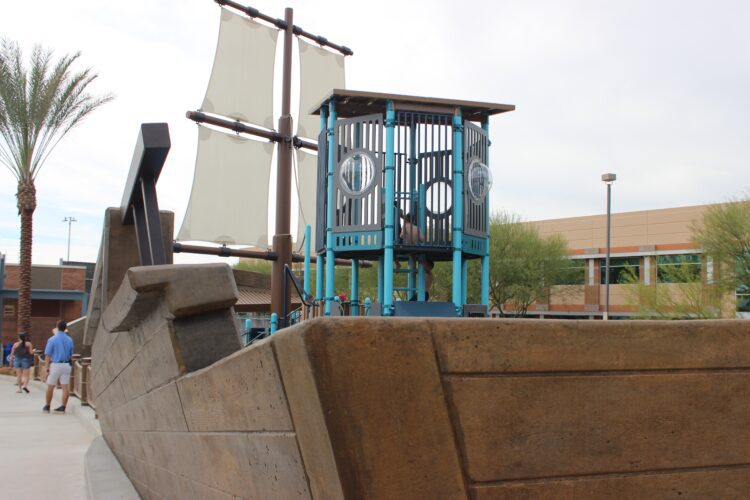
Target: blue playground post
464 279
306 282
380 281
329 216
458 207
319 268
485 286
421 289
319 265
354 304
411 277
274 323
390 162
367 306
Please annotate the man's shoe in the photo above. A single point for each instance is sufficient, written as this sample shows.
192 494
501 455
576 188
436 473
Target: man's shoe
26 390
60 409
45 409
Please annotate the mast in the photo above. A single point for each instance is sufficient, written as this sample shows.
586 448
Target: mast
282 239
286 140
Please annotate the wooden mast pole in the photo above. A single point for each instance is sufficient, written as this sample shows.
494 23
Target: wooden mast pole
282 239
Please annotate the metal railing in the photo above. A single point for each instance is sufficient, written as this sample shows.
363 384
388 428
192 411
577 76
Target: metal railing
306 310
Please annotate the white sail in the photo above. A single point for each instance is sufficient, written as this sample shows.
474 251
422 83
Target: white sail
229 199
321 71
307 176
241 84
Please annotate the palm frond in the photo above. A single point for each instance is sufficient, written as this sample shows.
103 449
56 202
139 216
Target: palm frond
39 106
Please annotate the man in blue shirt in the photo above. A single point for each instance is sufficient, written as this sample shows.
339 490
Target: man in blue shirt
57 356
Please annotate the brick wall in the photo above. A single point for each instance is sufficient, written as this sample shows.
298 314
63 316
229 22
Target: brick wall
11 276
73 278
45 313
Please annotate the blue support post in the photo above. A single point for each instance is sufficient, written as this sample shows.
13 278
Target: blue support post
485 285
330 266
412 168
421 295
380 281
319 266
354 304
390 162
367 306
306 282
274 323
410 278
319 277
458 207
464 279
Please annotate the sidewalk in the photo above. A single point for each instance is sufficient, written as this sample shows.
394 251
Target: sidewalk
43 454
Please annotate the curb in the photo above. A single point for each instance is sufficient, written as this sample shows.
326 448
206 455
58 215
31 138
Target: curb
105 479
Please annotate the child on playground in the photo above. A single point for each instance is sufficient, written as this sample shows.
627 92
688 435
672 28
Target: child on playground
411 235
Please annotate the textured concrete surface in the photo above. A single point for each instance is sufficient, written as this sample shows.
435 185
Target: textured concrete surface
105 479
181 430
43 454
371 408
118 253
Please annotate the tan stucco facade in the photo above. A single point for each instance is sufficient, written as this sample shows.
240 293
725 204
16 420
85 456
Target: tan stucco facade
642 236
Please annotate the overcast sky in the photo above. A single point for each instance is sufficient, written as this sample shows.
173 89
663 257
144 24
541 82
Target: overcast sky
655 91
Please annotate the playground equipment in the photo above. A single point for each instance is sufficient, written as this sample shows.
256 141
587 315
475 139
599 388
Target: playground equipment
403 179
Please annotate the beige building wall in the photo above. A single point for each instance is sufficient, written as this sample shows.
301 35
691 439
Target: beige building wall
666 226
643 234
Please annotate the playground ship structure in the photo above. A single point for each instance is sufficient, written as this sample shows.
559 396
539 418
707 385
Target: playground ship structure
384 163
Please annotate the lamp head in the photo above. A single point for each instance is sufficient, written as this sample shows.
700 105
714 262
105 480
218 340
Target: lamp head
609 178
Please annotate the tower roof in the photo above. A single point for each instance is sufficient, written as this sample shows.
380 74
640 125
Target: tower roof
351 103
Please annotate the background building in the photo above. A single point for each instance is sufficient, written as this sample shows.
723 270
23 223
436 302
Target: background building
58 292
644 243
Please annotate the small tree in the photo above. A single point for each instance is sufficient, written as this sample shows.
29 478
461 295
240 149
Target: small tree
523 266
724 234
38 107
679 293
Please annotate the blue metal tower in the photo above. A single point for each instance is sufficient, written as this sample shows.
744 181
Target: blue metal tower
404 182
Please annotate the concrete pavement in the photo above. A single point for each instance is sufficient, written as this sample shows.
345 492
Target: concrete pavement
43 454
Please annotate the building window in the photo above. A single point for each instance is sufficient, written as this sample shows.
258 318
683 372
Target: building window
573 274
678 268
621 270
743 299
9 310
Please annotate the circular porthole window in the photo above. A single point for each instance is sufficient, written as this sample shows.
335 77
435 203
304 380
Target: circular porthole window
357 173
480 180
439 198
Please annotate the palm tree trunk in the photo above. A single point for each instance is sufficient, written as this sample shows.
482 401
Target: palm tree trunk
26 205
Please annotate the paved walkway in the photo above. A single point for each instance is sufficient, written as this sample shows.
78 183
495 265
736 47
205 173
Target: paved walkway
43 454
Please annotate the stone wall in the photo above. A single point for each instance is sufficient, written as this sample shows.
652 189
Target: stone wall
389 408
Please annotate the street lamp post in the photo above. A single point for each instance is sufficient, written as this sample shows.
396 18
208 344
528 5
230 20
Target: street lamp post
70 221
608 180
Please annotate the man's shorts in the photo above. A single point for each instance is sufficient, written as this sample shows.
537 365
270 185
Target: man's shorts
59 372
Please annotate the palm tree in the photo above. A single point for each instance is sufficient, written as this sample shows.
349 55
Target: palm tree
38 106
